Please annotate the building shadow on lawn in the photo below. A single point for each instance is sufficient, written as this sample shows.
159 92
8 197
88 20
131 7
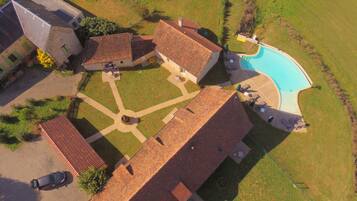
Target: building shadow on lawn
14 190
223 184
217 75
108 152
84 127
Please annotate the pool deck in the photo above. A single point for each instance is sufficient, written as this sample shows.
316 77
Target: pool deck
264 87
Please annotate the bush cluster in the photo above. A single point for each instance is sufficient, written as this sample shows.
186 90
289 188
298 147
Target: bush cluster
95 26
93 180
46 60
247 23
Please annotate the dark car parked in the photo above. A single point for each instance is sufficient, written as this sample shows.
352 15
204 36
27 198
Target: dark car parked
51 181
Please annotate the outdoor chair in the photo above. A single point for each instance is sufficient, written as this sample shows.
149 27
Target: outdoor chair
243 88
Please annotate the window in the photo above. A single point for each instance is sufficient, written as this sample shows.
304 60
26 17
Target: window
75 24
121 62
65 49
12 57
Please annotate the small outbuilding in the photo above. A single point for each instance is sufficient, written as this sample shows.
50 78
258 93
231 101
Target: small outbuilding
70 144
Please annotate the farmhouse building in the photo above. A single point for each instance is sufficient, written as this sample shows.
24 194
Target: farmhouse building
123 50
180 46
30 24
172 165
177 44
50 26
70 145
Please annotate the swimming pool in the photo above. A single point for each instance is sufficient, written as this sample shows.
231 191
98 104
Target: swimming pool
287 75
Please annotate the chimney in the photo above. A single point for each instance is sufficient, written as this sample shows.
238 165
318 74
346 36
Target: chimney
180 22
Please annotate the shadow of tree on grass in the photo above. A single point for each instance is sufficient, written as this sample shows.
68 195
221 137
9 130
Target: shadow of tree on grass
13 190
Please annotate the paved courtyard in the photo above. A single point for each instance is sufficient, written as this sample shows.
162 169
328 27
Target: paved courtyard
33 160
268 95
37 84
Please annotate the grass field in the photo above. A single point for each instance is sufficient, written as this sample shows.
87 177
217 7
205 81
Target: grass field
115 145
330 26
266 181
320 161
152 123
146 87
100 92
191 87
90 121
126 13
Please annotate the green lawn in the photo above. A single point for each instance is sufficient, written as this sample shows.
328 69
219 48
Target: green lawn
24 119
236 10
115 145
90 121
264 182
326 148
100 92
126 13
146 87
191 87
330 26
2 2
152 123
319 161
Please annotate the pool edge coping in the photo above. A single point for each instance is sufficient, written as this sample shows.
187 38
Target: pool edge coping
296 63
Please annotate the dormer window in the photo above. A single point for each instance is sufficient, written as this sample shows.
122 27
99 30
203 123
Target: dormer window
12 58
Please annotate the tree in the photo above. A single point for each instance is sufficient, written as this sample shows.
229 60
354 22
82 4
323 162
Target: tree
92 180
46 60
94 26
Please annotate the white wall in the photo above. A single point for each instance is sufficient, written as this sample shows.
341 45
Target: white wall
176 68
63 36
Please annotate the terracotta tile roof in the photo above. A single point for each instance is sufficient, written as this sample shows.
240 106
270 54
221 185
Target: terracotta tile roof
188 149
102 49
66 139
184 46
181 192
141 45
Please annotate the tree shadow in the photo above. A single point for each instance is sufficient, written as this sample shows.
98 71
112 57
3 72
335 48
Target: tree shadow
108 152
209 34
154 16
14 190
227 13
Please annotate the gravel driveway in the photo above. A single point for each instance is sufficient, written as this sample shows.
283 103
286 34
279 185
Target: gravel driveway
37 84
33 160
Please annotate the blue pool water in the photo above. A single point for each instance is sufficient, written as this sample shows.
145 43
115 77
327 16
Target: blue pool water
285 73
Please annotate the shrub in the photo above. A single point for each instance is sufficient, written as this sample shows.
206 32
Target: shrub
94 26
46 60
92 180
26 114
247 23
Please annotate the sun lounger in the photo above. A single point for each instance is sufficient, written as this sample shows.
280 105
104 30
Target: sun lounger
243 88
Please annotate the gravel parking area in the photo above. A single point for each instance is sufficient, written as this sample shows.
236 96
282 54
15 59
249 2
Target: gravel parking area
37 84
33 160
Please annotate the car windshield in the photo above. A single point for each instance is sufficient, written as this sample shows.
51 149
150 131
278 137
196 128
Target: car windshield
45 180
